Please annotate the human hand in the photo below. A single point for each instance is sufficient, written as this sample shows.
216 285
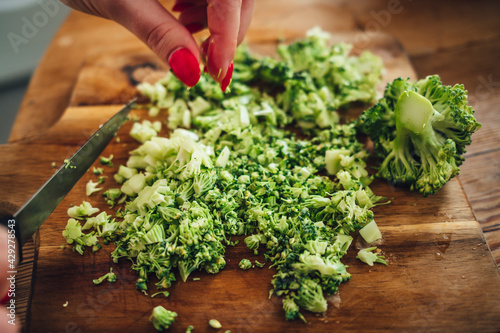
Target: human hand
171 39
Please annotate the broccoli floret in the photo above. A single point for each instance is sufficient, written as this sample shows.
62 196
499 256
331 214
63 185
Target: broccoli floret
370 256
421 130
292 310
310 296
162 318
245 264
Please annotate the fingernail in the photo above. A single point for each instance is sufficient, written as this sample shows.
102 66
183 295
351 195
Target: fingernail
194 27
179 7
185 66
227 79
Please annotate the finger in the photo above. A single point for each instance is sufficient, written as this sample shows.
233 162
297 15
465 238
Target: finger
223 17
181 5
194 18
156 27
247 7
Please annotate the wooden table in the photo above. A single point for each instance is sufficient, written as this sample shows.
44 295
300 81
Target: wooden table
459 40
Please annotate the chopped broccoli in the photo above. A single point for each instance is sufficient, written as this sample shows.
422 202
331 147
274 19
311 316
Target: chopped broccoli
310 296
245 264
92 187
370 256
292 310
144 131
420 130
370 232
107 160
111 277
259 264
85 209
98 171
162 318
74 235
231 166
215 323
164 293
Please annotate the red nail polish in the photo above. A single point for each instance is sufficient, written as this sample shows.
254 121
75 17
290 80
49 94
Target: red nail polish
179 7
227 79
185 66
194 27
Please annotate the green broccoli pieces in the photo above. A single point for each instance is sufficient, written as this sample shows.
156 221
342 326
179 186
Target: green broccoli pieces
162 318
245 264
111 277
370 256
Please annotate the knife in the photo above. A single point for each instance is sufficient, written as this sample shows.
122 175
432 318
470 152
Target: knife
33 213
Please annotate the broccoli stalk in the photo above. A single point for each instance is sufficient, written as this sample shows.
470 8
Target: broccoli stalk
111 277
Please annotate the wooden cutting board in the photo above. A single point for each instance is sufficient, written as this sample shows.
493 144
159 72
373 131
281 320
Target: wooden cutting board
441 276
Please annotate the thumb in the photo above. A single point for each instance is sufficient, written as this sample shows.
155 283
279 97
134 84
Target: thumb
156 27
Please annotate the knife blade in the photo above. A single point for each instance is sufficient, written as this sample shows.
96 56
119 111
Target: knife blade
33 213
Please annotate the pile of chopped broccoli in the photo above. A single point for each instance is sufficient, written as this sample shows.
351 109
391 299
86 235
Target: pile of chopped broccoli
254 161
420 130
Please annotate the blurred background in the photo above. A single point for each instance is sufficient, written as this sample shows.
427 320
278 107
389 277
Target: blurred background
26 28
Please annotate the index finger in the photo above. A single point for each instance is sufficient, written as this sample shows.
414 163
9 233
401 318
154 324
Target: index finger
223 18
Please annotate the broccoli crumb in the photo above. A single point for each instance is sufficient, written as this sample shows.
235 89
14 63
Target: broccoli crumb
97 171
259 264
107 160
215 323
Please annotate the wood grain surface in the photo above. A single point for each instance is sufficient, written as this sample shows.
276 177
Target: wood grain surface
455 290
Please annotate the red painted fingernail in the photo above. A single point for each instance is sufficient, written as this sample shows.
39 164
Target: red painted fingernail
179 7
227 79
185 66
194 27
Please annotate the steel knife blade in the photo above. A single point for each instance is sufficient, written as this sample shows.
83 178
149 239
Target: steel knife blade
33 213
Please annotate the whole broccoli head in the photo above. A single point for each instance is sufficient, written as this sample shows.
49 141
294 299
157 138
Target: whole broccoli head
421 130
